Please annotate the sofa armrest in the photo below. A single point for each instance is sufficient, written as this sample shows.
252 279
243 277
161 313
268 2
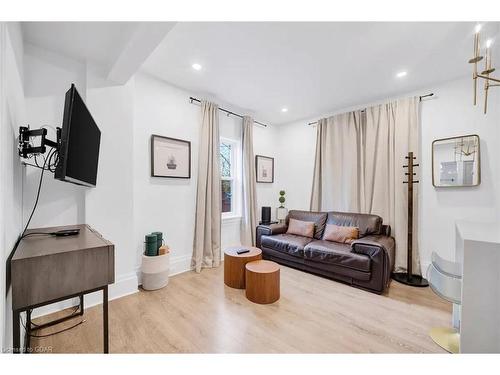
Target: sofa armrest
385 230
376 246
381 250
269 230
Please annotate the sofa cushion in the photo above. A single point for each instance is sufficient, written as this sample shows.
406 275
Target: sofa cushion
338 254
330 270
337 233
367 224
286 243
301 228
319 219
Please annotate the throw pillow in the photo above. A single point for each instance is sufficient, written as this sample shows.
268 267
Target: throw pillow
340 234
301 228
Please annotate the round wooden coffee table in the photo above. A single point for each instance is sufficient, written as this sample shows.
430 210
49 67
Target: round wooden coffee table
234 265
262 281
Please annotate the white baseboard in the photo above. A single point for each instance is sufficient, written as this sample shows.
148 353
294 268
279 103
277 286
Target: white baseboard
123 286
180 265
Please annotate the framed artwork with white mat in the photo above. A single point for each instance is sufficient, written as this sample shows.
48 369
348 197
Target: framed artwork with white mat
264 169
170 157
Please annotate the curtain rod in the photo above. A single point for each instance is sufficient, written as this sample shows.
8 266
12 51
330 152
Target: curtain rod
421 97
191 99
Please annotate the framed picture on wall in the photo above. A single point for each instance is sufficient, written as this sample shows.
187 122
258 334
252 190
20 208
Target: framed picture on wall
170 157
264 169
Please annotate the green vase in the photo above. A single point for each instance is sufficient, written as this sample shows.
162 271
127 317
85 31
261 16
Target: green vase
151 241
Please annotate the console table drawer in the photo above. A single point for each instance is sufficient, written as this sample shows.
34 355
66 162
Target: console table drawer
47 268
41 279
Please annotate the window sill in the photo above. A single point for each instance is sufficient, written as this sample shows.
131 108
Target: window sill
231 219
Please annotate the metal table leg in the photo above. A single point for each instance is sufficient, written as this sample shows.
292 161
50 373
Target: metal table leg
105 318
27 338
81 304
16 331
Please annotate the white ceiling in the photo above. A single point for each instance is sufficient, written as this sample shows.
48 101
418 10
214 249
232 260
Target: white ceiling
310 68
100 42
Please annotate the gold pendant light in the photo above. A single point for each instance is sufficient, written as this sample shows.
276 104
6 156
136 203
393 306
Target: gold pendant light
488 69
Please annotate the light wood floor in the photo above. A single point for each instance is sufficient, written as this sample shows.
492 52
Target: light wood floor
197 313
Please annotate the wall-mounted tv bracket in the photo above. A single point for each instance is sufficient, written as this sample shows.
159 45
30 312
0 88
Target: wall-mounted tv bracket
25 135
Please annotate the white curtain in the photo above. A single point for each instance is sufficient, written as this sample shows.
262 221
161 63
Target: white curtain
249 217
207 231
339 142
359 167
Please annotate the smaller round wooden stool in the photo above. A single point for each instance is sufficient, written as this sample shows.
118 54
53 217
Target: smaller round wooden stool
262 281
234 265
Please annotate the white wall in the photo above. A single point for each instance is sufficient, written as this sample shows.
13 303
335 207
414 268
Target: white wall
162 204
497 163
12 115
449 113
168 205
109 206
297 145
265 142
495 107
47 78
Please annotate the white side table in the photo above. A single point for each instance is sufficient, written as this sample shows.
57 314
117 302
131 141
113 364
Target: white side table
478 250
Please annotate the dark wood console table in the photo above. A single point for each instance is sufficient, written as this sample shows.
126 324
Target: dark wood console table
48 269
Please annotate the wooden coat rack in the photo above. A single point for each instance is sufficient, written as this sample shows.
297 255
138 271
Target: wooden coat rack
408 277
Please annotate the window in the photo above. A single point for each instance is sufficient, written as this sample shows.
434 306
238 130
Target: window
230 181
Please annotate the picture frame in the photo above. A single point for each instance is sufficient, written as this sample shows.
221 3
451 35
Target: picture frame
264 169
170 157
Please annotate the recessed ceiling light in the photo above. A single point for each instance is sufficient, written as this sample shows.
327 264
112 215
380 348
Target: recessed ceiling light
401 74
284 110
196 66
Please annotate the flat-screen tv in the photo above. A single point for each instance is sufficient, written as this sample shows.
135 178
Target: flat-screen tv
80 139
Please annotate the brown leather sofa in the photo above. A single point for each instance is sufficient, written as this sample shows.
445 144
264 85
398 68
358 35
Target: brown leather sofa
367 263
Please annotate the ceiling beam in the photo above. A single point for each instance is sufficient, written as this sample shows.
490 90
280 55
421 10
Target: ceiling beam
142 44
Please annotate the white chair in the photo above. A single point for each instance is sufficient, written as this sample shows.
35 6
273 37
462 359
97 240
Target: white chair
445 279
